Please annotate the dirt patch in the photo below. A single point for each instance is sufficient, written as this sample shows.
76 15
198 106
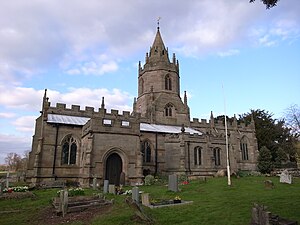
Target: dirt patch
17 195
48 216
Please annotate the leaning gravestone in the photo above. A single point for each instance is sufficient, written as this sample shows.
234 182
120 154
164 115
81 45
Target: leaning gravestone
7 180
105 186
173 183
145 199
285 177
135 194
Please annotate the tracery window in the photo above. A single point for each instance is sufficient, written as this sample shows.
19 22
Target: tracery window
244 148
197 155
217 156
146 151
69 151
168 110
168 83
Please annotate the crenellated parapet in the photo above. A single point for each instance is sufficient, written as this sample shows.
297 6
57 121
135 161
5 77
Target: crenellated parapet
113 122
219 124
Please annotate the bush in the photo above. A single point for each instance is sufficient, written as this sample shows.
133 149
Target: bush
149 180
264 161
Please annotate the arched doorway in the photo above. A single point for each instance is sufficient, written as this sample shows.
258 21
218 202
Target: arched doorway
113 169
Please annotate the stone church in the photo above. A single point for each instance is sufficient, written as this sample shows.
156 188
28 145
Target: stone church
157 137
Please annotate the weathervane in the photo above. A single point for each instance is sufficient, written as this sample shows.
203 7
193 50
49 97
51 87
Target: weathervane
158 19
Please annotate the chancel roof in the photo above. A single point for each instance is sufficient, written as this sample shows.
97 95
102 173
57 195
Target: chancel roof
146 127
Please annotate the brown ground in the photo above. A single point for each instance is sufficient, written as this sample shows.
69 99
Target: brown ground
48 216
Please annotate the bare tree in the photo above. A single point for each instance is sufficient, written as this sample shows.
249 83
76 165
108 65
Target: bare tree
292 118
13 161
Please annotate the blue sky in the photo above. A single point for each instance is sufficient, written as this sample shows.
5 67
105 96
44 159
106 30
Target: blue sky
81 51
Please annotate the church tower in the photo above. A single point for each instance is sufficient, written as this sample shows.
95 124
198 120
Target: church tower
159 87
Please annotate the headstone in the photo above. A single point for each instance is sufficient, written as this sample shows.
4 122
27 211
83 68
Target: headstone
173 183
285 177
122 179
269 184
63 206
7 180
112 189
145 199
135 194
1 187
105 186
94 183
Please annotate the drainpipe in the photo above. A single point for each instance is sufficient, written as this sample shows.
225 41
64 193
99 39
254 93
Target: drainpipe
155 154
55 151
189 160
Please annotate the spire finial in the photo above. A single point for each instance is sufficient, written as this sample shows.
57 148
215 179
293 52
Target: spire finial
102 104
158 19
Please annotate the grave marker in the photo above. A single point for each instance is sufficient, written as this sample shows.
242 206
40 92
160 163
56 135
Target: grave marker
112 189
173 183
105 186
135 194
285 177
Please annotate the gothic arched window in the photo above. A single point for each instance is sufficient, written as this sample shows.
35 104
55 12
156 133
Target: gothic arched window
146 151
197 155
217 156
69 151
168 83
141 85
168 110
244 148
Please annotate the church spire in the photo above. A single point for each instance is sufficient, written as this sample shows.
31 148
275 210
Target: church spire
158 51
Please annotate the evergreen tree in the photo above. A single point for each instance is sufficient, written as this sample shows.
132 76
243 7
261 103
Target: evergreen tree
264 161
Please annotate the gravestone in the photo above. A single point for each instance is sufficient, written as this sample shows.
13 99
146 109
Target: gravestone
2 186
145 199
63 205
173 183
285 177
105 186
135 194
112 189
269 184
7 180
122 179
94 183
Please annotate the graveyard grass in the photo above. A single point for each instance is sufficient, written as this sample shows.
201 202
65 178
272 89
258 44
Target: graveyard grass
213 203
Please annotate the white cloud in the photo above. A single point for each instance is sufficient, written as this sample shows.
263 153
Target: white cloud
12 143
94 68
230 52
25 123
7 115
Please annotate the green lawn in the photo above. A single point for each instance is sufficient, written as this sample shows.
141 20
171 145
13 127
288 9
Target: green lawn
213 203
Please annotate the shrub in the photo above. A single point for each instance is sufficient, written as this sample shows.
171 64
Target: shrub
149 180
264 161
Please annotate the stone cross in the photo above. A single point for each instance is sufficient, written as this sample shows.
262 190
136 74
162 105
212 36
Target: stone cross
105 186
135 194
173 183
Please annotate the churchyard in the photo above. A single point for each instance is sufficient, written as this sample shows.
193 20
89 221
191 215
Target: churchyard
211 201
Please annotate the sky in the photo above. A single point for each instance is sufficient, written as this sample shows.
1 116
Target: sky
229 51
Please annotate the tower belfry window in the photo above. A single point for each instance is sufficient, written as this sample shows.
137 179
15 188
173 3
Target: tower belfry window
168 110
168 83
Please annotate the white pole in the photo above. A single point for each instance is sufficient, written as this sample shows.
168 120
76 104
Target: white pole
226 142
